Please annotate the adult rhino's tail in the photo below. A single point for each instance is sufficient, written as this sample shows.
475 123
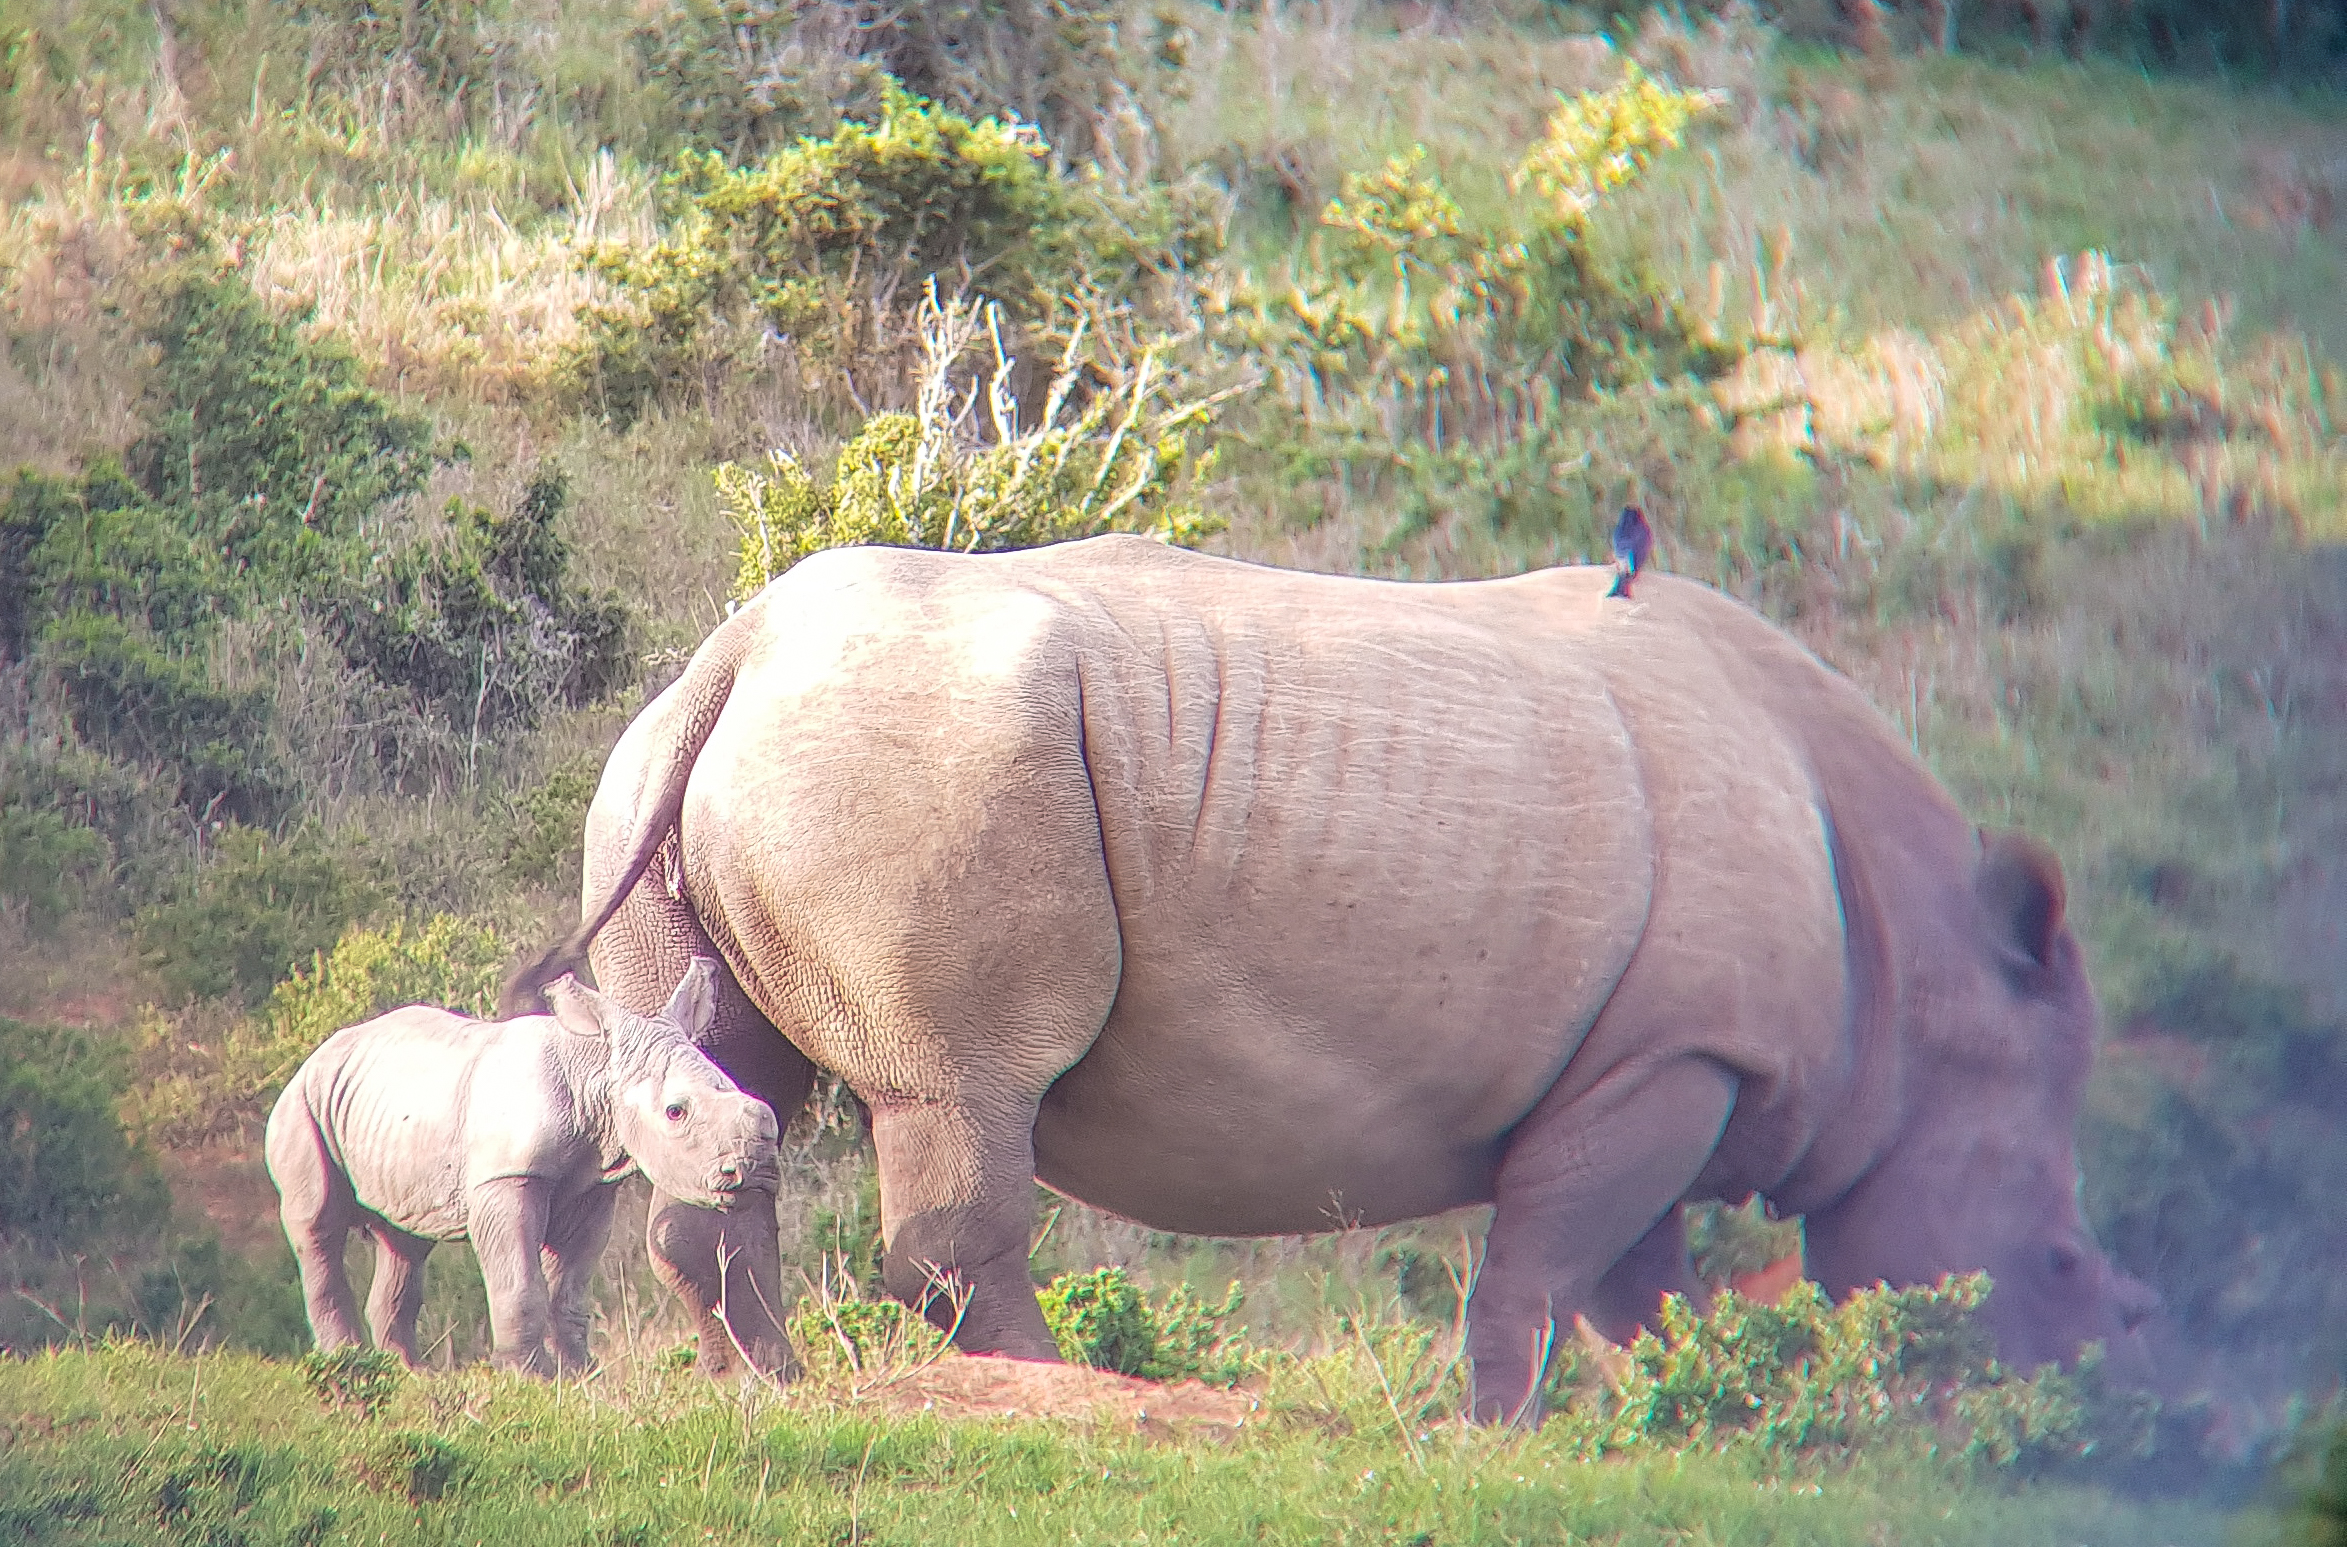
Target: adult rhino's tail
641 796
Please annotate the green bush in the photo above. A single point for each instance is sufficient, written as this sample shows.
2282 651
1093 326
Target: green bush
201 1295
545 829
242 920
69 1173
486 629
843 1336
46 863
1101 1319
828 243
448 962
1884 1367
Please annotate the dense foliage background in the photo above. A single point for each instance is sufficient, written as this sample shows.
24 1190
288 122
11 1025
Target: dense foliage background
391 397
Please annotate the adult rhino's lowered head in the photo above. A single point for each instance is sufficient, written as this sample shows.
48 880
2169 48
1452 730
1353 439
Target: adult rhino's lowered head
1240 901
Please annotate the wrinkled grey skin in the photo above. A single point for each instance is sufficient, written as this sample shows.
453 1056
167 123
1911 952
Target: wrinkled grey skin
1240 901
422 1126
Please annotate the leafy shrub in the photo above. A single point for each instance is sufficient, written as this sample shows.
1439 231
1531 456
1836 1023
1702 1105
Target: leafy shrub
909 480
449 962
827 243
1099 1319
1454 330
240 922
1102 1320
1886 1366
201 1294
68 1171
486 629
742 77
545 831
843 1335
46 863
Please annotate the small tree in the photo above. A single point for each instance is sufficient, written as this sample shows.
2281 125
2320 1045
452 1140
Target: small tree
928 479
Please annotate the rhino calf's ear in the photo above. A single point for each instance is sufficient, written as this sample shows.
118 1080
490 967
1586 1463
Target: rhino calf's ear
2022 898
693 1007
578 1009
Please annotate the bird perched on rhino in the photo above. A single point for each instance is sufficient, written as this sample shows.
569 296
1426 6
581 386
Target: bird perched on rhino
1633 546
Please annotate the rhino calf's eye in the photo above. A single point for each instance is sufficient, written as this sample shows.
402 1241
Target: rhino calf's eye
676 1111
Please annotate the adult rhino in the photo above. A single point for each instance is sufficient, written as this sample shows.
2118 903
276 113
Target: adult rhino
1241 901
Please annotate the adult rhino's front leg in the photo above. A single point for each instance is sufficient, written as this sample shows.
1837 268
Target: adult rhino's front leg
725 1265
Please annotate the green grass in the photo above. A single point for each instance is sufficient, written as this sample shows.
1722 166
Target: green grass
126 1444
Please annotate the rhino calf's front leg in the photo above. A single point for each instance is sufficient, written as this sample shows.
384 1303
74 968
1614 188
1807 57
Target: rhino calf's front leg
508 1228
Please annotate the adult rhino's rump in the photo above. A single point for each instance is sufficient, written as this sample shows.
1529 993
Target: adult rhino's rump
1238 900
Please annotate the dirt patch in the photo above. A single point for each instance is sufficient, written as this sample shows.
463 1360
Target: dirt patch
986 1386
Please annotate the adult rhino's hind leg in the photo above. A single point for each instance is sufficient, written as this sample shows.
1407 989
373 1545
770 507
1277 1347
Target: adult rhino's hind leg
1585 1179
957 1201
725 1265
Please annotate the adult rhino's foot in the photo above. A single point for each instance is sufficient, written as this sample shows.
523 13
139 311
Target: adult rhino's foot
726 1266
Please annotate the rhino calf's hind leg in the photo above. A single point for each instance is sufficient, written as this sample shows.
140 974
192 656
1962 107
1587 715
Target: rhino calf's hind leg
398 1291
1585 1179
318 1209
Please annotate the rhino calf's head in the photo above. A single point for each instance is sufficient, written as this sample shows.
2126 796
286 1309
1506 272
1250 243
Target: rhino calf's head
1999 1037
679 1117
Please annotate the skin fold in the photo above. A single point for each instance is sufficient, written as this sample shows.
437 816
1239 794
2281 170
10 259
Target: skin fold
1242 901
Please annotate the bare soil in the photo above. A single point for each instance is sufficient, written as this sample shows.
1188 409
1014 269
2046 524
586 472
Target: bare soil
986 1386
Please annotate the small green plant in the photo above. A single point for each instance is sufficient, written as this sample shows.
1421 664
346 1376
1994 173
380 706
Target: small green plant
1885 1367
844 1336
352 1378
1100 1319
1103 1320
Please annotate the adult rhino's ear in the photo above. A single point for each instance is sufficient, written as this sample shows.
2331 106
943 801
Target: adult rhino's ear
2021 899
693 1007
579 1009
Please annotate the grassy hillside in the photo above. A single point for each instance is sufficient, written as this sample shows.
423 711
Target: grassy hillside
367 373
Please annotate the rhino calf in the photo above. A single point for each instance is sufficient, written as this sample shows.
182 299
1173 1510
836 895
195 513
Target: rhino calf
423 1126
